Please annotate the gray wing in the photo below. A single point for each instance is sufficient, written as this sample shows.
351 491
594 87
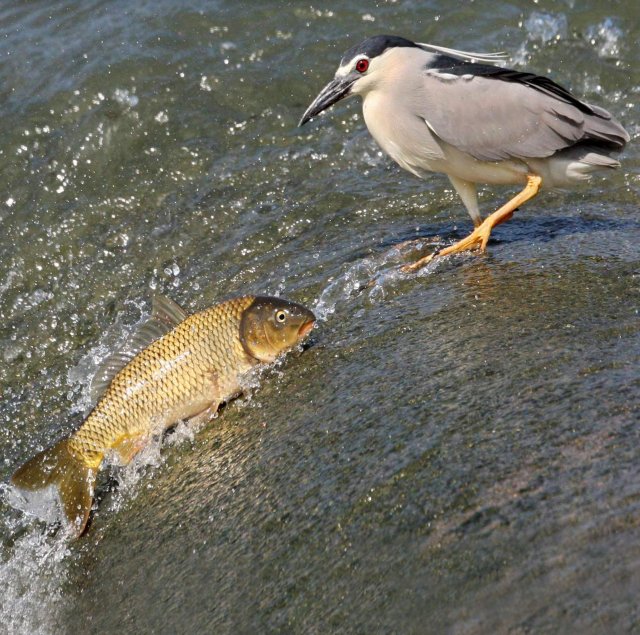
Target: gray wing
494 113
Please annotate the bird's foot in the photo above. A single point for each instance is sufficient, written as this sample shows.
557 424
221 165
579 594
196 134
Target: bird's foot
477 239
418 264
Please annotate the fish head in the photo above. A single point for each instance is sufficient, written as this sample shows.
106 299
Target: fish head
271 326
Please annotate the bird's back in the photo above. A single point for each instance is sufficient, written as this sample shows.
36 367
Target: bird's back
495 113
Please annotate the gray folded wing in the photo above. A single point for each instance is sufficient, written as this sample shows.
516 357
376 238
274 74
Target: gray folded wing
494 113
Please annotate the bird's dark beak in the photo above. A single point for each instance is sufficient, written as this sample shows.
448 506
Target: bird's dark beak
334 91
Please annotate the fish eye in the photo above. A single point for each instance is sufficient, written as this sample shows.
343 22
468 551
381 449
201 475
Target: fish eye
362 65
281 317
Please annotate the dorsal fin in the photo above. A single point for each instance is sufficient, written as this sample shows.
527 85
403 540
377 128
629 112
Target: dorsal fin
165 315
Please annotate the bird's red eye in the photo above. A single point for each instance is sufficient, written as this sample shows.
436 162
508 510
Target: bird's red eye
362 65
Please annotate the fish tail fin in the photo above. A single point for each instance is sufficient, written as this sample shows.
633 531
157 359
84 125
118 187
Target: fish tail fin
59 467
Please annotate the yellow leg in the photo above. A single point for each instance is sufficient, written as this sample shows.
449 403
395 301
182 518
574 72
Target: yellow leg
479 237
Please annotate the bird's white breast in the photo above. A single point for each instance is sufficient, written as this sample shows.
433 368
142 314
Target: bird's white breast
403 136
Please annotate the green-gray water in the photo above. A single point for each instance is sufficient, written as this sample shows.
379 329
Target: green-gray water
457 452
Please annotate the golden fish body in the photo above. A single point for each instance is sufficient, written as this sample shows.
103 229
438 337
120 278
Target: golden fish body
190 367
188 371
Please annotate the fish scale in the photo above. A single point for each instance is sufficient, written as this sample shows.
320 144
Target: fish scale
174 368
189 366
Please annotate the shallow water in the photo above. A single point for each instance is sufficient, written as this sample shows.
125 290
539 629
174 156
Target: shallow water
457 450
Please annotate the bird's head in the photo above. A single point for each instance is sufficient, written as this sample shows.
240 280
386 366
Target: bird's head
360 68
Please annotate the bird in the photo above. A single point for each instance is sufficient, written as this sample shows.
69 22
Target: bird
438 109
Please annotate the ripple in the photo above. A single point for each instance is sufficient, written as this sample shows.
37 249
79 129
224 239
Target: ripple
606 37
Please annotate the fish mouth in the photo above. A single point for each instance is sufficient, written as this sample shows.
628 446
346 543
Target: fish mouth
305 328
334 91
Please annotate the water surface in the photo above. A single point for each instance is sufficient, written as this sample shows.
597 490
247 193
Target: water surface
457 450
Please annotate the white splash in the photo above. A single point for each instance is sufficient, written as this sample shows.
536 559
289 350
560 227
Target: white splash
606 38
545 27
125 97
32 574
370 276
541 28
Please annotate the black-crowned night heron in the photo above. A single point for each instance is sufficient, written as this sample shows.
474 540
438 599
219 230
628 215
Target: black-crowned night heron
434 109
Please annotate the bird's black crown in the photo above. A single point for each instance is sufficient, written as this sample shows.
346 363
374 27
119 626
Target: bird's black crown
376 45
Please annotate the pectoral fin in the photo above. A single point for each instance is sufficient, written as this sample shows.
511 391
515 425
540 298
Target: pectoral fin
203 417
127 447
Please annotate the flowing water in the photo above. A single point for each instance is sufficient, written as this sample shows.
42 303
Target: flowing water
456 452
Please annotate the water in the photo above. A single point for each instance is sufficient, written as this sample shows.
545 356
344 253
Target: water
456 452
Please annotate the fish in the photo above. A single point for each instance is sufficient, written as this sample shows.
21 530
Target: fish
176 367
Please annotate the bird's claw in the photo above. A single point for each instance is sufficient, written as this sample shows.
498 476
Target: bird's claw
418 264
477 240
